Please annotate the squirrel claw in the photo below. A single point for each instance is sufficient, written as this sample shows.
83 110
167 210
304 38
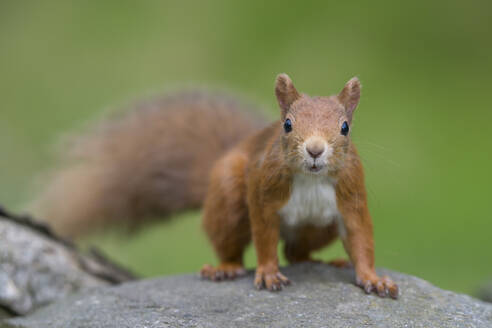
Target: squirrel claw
383 287
273 281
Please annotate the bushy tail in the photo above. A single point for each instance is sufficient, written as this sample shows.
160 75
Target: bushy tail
146 163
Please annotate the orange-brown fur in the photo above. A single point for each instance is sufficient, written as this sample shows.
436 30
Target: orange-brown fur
251 183
148 162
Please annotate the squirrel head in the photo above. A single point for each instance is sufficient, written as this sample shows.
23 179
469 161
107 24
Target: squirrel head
316 130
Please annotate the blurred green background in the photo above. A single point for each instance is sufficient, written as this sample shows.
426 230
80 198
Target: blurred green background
422 128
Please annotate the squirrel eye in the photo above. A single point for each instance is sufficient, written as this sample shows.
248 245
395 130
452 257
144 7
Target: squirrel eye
345 128
287 125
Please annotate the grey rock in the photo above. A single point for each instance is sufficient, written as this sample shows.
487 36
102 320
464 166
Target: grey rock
320 296
37 267
35 270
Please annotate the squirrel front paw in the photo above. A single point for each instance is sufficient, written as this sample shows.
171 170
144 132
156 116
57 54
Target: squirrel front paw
269 277
382 286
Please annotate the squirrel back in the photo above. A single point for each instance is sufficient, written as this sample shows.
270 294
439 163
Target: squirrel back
149 162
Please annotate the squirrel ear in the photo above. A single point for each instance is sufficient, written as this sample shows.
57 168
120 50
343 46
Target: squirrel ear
286 92
350 95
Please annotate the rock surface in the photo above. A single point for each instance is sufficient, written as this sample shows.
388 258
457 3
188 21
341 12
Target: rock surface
36 271
37 268
321 296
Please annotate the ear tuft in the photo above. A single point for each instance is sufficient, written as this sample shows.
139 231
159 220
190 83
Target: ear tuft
350 96
286 92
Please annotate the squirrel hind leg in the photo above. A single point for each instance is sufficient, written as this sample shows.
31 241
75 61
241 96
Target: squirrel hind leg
340 263
229 241
225 218
307 239
224 271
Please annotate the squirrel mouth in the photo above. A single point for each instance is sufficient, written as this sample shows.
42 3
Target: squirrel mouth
314 168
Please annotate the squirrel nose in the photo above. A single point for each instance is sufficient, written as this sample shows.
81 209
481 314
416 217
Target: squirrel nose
315 153
315 148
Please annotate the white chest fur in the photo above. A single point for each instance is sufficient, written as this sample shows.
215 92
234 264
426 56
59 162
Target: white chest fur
312 201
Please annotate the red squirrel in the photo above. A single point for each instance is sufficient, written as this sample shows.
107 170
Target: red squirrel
299 179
